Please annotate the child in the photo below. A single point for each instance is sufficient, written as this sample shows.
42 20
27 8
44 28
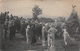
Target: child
66 36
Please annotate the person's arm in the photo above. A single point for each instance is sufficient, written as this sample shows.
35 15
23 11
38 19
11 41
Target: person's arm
68 35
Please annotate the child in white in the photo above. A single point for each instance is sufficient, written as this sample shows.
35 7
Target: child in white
66 36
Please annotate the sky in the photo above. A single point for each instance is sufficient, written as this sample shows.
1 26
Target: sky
51 8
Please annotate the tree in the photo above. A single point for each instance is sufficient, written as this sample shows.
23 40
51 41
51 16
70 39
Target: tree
36 11
72 22
61 19
43 19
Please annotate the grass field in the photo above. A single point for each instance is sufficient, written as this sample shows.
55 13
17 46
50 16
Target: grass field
19 44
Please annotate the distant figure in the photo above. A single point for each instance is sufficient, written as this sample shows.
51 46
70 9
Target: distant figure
66 36
12 31
6 28
9 25
27 33
33 36
44 34
23 31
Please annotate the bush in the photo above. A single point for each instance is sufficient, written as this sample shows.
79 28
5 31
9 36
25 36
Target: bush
46 20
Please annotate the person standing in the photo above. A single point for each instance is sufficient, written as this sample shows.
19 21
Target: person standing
66 36
44 34
9 25
12 30
33 36
6 28
24 30
27 33
52 32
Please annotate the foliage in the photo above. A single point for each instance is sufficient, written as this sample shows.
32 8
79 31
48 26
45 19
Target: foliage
61 19
72 22
46 20
36 11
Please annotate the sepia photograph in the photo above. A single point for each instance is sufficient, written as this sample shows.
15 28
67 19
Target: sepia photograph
39 25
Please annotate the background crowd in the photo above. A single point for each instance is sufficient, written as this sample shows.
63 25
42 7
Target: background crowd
14 24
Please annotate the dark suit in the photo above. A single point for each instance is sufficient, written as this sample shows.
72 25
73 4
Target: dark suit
12 32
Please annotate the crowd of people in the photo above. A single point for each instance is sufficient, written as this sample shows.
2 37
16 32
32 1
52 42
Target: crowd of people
32 30
14 24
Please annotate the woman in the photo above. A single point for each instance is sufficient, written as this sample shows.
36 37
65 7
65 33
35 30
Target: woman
27 33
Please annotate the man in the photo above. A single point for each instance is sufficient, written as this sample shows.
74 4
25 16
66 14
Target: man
24 30
44 34
66 36
12 30
51 36
9 25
